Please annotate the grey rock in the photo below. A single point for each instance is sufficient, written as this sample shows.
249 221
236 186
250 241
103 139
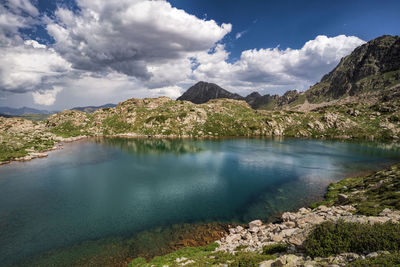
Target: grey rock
372 255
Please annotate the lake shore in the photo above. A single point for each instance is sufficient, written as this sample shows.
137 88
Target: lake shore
288 241
187 243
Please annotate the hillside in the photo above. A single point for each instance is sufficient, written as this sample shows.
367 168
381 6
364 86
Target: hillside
164 117
370 68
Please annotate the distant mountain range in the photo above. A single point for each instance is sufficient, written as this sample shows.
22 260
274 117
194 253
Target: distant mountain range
10 112
202 92
91 109
24 110
370 69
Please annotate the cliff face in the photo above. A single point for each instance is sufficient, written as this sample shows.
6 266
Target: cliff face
371 67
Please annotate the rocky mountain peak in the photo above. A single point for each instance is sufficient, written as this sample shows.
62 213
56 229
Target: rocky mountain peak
372 66
202 92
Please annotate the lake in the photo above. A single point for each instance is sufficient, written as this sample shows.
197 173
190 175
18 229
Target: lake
99 188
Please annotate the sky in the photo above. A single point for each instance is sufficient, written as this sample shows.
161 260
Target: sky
66 53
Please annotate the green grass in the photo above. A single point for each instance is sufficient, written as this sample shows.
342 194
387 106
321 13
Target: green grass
331 238
115 124
383 260
35 117
370 194
68 129
8 153
204 256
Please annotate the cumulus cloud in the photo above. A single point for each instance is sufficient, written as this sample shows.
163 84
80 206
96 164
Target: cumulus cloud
275 67
15 14
21 7
30 67
143 39
46 97
108 51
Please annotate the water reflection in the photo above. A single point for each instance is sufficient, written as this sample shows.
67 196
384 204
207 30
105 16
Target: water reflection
114 187
151 146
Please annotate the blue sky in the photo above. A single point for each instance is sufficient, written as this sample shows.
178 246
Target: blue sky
64 53
291 23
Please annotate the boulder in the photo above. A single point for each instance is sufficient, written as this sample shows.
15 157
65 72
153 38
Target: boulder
255 223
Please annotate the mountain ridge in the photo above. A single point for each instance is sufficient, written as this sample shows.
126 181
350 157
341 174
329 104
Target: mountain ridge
24 110
371 68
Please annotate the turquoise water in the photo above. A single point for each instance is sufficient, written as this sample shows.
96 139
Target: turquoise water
114 187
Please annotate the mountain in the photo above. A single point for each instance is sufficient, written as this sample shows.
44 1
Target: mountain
202 92
371 67
91 109
24 110
370 73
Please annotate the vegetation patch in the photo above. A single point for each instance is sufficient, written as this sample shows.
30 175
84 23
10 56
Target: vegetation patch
383 260
203 256
116 124
331 238
369 194
275 248
68 129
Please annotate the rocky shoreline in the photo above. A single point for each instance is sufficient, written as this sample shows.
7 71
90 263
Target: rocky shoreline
366 201
293 231
32 154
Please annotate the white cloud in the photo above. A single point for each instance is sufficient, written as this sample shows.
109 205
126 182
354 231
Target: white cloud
169 91
30 67
273 67
22 6
113 50
149 40
239 34
46 97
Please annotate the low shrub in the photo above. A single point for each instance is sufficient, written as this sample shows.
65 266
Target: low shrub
334 238
275 248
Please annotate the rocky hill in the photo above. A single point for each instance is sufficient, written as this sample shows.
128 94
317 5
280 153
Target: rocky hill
164 117
202 92
372 67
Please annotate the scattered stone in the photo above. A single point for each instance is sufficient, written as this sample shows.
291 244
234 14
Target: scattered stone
256 223
372 255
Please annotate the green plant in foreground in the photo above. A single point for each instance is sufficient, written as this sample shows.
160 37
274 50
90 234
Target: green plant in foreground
275 248
204 256
249 259
331 238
